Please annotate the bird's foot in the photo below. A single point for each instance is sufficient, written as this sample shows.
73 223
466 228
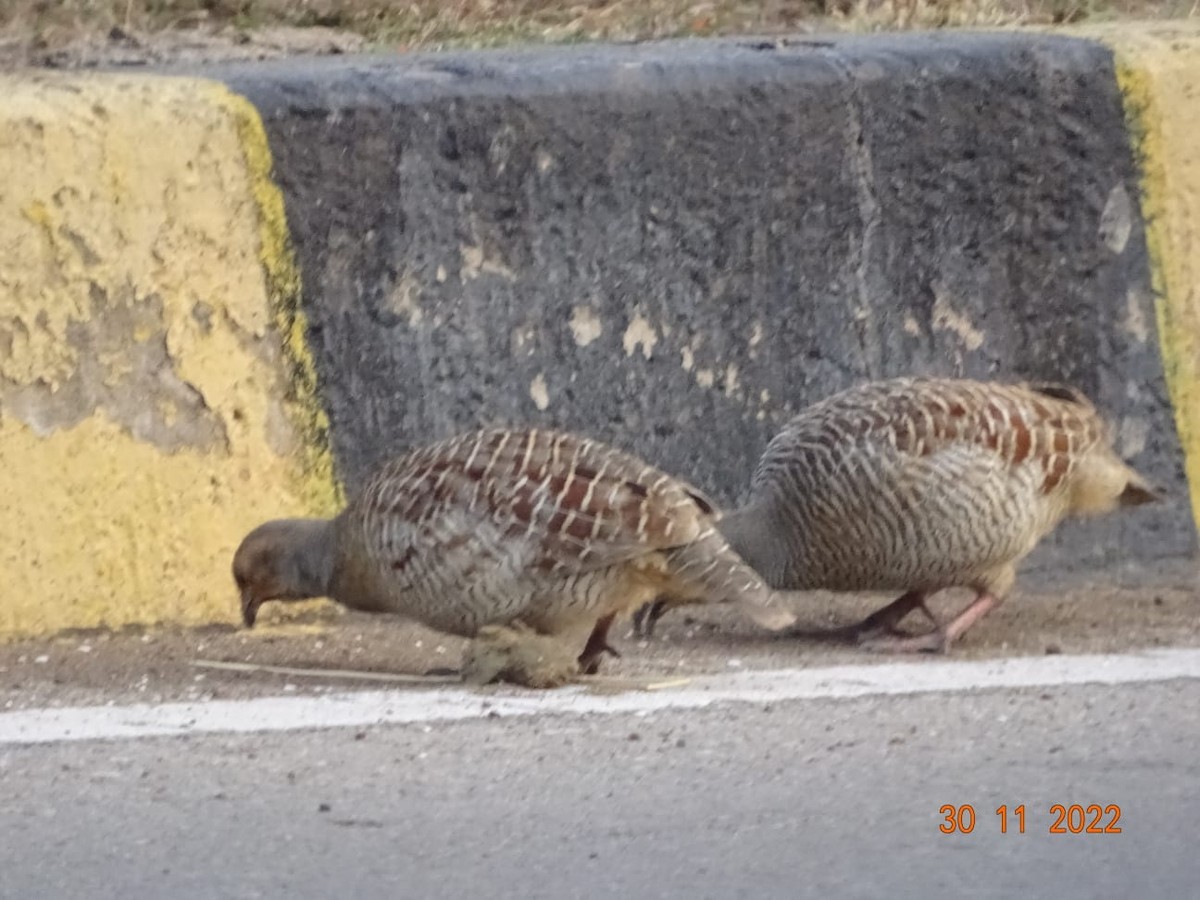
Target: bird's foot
597 645
941 637
518 656
881 625
589 659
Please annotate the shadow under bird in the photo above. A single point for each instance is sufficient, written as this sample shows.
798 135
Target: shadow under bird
508 536
921 484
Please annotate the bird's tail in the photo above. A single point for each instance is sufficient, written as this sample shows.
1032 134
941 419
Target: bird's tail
1139 491
712 572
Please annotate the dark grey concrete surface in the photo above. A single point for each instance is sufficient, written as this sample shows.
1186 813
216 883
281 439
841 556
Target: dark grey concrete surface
674 246
818 799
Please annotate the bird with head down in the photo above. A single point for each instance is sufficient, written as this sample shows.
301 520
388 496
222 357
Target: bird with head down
548 531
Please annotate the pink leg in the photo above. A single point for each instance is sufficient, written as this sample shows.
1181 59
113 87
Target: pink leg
940 639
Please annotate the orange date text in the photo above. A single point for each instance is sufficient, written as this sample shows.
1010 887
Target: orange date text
1063 819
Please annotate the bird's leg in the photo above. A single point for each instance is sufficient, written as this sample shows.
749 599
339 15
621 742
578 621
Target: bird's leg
940 639
880 623
647 616
887 620
597 645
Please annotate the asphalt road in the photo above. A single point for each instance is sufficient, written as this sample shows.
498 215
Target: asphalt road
828 798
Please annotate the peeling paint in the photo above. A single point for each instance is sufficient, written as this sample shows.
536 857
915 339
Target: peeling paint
404 300
687 358
705 377
142 400
1135 323
911 325
538 392
640 333
946 318
1132 436
731 380
586 325
523 340
475 263
1116 220
134 383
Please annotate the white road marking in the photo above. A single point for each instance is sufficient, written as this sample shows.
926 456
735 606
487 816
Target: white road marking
363 708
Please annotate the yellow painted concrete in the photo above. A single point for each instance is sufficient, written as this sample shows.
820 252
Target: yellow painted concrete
156 399
1158 68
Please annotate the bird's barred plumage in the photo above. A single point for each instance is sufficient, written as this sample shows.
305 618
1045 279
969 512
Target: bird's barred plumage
919 484
921 481
534 525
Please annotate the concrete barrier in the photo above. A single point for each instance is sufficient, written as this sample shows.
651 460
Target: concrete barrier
1159 74
669 246
149 410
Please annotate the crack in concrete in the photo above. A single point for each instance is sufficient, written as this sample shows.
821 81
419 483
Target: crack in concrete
863 251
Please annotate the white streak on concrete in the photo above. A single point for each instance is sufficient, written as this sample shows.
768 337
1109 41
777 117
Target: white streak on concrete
400 706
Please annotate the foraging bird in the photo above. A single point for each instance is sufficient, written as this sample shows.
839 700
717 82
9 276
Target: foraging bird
542 529
921 484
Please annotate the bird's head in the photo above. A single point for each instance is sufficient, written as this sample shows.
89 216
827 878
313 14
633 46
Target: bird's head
286 559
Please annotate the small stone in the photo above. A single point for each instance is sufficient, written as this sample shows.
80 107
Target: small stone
324 808
1053 649
634 736
41 660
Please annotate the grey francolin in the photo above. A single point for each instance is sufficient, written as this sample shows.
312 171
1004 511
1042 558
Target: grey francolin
921 484
545 531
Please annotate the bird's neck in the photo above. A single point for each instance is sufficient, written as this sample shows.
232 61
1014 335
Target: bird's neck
313 557
766 541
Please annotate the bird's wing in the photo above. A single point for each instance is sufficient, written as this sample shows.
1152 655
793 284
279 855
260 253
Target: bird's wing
537 499
1047 426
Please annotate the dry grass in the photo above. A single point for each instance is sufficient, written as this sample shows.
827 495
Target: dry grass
445 23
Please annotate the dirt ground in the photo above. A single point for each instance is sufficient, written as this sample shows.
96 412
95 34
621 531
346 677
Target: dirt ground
158 665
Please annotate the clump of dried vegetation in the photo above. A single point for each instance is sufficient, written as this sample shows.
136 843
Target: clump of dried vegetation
45 30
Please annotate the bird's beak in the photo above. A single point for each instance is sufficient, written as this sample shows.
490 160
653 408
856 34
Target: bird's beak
250 605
